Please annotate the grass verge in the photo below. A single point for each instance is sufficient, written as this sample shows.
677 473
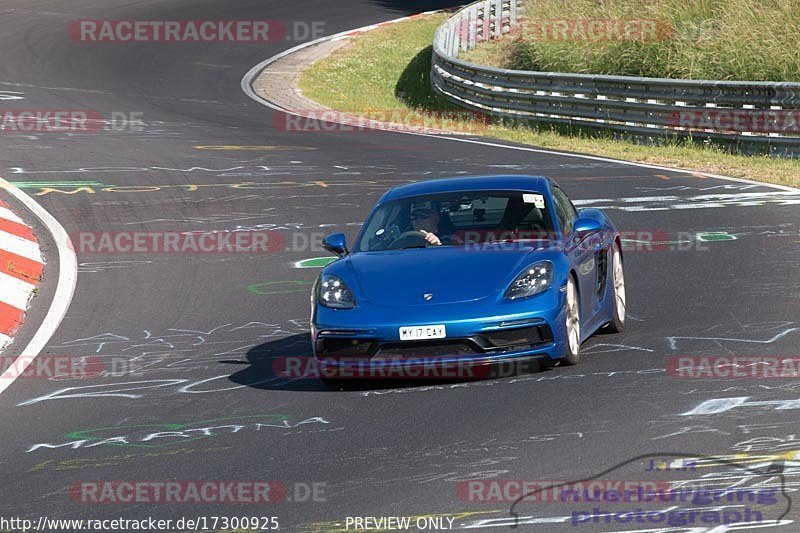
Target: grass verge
699 39
387 69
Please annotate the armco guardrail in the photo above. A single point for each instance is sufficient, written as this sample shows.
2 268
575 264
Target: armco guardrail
755 116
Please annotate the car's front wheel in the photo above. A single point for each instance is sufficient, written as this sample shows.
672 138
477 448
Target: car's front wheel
617 323
573 314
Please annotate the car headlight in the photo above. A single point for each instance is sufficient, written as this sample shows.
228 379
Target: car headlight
535 279
333 293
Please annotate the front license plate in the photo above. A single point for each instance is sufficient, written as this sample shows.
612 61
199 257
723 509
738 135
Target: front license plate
416 333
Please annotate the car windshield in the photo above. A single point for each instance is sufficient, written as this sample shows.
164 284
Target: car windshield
456 218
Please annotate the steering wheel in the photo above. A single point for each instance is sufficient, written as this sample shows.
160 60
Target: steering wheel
409 238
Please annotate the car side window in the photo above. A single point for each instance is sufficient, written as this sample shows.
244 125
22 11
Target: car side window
565 211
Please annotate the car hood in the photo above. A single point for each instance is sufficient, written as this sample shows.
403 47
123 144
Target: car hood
449 274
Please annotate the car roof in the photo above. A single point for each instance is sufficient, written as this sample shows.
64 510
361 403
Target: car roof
502 182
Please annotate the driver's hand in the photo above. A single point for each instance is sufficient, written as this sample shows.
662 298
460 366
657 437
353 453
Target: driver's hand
431 238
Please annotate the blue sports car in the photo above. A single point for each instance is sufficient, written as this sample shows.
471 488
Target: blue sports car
484 269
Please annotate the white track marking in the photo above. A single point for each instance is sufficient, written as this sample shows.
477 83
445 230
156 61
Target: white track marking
15 292
21 247
8 215
67 279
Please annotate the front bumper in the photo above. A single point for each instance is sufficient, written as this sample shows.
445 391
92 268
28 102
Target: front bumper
334 343
341 339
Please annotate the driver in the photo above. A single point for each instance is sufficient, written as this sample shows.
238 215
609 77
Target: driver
426 221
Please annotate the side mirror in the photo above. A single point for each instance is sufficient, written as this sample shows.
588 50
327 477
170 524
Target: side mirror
335 243
584 227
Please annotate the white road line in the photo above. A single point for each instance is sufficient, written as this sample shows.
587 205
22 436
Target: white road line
67 279
672 198
22 247
661 203
609 160
251 75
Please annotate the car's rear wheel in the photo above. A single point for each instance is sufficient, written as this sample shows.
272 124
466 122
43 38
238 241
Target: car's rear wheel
573 323
617 322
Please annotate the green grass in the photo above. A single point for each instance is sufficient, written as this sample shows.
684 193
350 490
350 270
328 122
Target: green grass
384 69
703 39
387 69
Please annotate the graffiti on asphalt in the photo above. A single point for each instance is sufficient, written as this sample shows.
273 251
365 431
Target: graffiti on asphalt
158 435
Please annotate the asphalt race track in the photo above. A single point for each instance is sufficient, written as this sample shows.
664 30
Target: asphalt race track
201 329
